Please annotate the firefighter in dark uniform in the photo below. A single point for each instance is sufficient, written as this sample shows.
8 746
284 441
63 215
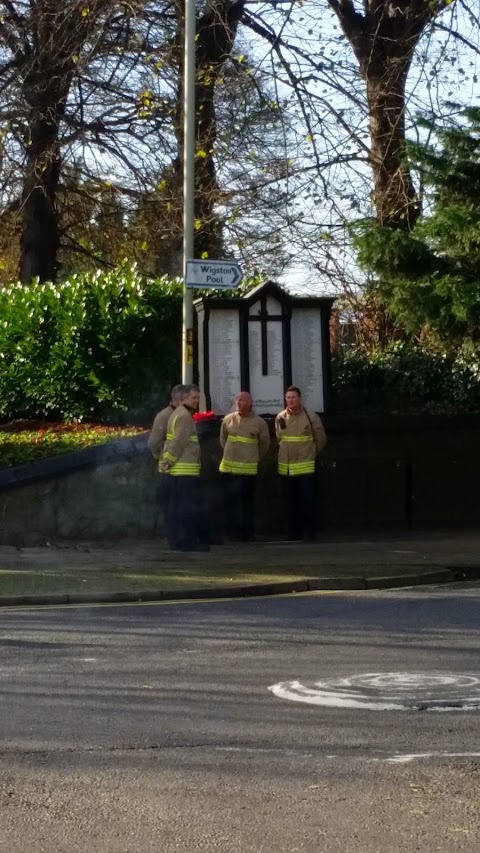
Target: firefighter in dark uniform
156 441
181 461
245 439
301 437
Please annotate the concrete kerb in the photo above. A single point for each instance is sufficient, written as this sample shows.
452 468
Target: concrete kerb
437 576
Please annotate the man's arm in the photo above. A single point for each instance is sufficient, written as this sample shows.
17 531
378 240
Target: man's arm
158 434
319 435
223 433
278 431
263 438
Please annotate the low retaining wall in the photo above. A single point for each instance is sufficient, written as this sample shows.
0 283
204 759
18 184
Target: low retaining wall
395 473
104 492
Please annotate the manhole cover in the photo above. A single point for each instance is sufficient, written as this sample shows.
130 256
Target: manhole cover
388 691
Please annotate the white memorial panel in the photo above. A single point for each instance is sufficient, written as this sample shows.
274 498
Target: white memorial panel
267 391
201 361
273 306
307 370
224 359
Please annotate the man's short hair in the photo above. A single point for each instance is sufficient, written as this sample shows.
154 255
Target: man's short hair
187 389
177 392
294 389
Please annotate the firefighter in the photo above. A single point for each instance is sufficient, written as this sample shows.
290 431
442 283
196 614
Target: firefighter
301 437
245 439
181 461
158 433
156 441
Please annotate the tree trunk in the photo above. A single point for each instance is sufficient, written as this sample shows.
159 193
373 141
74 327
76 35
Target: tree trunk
39 240
384 38
395 198
56 33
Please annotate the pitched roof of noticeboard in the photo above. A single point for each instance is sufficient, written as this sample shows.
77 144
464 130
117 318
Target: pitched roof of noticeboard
267 288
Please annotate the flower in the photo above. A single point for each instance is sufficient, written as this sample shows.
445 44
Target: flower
204 416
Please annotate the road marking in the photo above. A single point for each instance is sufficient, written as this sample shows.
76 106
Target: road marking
420 756
21 608
388 691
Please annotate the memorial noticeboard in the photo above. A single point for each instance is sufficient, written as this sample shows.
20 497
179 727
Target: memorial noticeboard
224 360
307 356
265 355
262 342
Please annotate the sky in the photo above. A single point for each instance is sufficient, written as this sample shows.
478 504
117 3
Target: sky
444 70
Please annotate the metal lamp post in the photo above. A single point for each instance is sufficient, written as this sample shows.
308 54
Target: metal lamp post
188 185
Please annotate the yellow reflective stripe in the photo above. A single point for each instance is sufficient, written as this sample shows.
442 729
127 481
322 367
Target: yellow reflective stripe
193 438
229 467
296 438
242 439
296 468
168 457
185 468
169 436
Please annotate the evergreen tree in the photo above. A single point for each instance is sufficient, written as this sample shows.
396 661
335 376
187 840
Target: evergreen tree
429 279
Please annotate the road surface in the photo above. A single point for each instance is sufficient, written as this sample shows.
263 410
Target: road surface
178 727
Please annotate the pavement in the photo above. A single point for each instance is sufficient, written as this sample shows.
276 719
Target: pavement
260 568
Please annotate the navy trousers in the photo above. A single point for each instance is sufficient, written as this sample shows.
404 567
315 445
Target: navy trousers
239 494
164 489
301 505
188 522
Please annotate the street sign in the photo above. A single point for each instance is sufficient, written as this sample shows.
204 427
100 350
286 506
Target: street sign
222 275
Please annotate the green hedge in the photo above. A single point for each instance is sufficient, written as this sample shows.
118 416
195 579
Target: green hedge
106 347
102 346
404 378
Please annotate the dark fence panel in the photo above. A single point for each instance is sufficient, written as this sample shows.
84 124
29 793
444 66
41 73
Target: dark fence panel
409 472
365 490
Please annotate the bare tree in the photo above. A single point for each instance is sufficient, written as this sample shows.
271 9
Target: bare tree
44 40
98 86
359 72
63 92
384 37
95 92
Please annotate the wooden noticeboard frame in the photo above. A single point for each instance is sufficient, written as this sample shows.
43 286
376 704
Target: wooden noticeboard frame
233 357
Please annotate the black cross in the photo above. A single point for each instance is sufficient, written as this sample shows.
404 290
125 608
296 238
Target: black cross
263 316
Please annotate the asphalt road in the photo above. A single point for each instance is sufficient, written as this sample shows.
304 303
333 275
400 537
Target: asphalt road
152 728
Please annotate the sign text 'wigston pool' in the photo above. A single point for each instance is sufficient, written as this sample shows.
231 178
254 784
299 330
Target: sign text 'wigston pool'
224 275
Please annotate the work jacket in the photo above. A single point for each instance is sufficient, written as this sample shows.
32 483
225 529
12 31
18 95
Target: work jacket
300 437
158 433
244 440
181 450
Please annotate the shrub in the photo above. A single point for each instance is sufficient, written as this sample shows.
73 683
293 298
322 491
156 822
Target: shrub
404 378
102 346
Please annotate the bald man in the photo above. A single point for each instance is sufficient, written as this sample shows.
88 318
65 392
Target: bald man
245 439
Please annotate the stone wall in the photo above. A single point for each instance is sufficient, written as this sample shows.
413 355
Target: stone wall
101 493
